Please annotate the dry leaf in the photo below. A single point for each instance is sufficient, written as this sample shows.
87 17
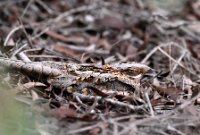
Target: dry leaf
71 39
64 112
34 95
28 86
170 92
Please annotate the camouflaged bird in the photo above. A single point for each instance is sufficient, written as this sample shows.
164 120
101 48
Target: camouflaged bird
117 76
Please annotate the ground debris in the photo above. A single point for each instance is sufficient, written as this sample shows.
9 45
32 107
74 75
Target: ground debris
104 67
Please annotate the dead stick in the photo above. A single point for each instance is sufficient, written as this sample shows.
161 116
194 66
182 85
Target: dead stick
111 101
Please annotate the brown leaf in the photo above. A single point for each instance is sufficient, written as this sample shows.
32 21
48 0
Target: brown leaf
9 45
195 92
123 48
145 44
194 48
170 92
98 92
67 51
95 131
28 86
195 8
64 112
100 42
74 39
112 22
155 102
88 117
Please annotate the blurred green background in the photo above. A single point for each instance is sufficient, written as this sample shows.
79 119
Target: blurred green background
15 118
173 6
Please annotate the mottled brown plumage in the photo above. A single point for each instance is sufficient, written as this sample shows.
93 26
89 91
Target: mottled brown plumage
118 76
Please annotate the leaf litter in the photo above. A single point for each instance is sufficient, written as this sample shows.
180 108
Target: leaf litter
103 33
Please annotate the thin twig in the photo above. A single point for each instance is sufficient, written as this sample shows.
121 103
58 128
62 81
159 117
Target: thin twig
156 48
26 34
149 104
23 57
18 50
176 61
26 8
166 54
83 129
178 132
48 9
111 101
75 10
11 33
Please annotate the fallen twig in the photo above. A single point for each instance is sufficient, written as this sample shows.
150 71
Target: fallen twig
111 101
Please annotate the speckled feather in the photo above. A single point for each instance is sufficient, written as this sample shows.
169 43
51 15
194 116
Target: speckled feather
63 75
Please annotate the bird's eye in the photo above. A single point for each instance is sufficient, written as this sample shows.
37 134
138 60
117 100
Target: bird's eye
149 76
133 72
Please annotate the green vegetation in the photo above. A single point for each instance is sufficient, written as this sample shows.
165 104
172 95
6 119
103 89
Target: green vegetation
15 119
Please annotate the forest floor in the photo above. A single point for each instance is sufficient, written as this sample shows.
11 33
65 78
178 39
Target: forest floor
163 35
